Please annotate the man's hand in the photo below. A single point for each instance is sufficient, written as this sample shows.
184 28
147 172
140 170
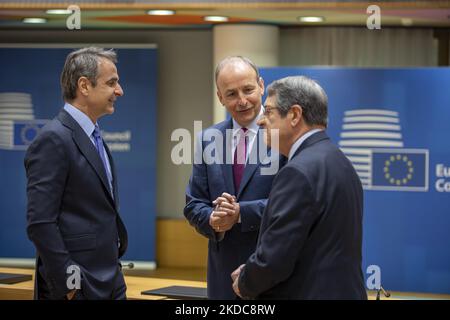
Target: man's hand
225 197
225 214
71 294
235 277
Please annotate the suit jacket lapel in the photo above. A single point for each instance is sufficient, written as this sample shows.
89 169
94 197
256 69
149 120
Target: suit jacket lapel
123 235
87 148
114 175
250 168
316 137
227 167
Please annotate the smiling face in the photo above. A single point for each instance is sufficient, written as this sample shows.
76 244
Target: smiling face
101 98
240 91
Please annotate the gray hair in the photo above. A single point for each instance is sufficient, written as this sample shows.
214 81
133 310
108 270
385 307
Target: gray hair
82 63
305 92
234 59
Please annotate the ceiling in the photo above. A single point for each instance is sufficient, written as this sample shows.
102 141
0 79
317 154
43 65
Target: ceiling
133 14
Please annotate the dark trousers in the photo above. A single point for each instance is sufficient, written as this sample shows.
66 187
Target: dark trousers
118 293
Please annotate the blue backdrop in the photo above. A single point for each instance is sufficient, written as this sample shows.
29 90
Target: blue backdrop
394 126
130 132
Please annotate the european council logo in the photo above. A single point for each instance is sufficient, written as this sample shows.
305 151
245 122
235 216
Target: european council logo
399 169
372 140
18 127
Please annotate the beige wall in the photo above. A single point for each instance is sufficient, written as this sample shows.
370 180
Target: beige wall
178 245
358 47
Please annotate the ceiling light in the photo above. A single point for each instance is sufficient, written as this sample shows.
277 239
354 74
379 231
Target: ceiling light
407 22
311 19
161 12
215 18
58 11
34 20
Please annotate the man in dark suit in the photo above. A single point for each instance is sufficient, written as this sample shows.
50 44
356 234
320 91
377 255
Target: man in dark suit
227 192
72 212
311 232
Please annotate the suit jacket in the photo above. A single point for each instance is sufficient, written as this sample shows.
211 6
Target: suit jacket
72 219
209 181
310 243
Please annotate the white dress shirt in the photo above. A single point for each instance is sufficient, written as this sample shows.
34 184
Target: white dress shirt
299 142
250 135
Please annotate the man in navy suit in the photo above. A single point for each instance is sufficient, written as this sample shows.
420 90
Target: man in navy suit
227 192
310 239
72 214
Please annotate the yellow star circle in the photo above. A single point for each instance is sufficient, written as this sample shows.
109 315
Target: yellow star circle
395 180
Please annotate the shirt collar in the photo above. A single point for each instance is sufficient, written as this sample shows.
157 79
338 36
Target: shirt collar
253 127
81 118
299 142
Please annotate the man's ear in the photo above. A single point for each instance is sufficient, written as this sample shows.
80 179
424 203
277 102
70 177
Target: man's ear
219 95
84 85
297 115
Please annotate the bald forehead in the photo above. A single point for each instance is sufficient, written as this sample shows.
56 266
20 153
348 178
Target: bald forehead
233 64
238 65
236 75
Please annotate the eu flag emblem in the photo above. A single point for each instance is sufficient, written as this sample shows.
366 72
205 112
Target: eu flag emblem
400 169
25 131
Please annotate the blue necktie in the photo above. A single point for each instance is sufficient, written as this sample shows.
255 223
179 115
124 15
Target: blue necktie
101 152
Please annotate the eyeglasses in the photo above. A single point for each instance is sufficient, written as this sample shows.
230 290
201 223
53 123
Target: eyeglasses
268 111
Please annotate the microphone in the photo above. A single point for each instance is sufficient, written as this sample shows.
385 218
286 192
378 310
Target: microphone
129 265
385 293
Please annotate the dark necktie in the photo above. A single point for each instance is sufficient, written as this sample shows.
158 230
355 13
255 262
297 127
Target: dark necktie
101 151
239 160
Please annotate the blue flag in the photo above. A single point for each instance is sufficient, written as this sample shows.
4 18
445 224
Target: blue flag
400 169
25 131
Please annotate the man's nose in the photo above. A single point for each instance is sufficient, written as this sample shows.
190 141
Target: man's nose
118 91
242 99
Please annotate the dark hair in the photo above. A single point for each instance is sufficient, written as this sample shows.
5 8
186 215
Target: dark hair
305 92
82 63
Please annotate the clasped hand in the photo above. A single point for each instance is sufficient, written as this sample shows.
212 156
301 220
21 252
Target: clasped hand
225 214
